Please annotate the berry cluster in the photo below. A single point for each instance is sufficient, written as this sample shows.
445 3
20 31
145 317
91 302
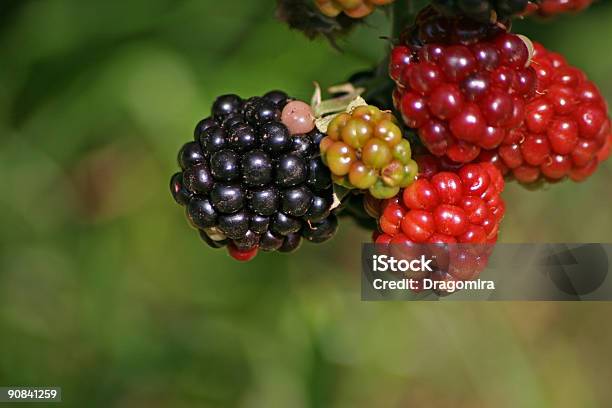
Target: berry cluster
462 206
462 86
352 8
482 10
365 150
450 216
566 128
253 178
483 102
550 8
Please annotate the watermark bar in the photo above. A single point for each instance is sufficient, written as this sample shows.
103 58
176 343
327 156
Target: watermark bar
557 272
30 394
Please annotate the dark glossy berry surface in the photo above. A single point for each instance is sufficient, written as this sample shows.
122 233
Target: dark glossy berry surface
232 120
319 208
249 107
190 155
201 212
247 242
213 139
177 188
319 177
202 126
322 231
284 224
227 198
266 112
290 170
242 137
225 165
265 201
291 243
271 242
303 146
226 105
249 184
279 98
198 179
256 168
259 223
275 138
296 201
234 226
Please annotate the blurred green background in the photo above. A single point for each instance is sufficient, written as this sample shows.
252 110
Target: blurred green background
106 292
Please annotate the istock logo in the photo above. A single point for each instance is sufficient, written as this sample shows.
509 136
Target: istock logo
557 272
384 263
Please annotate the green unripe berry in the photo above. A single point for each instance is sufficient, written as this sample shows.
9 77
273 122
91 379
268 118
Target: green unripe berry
402 151
376 154
369 113
361 176
382 192
388 131
356 133
339 158
365 150
410 173
393 174
325 144
336 125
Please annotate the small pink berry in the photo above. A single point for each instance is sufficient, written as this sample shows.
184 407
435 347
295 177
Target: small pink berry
298 117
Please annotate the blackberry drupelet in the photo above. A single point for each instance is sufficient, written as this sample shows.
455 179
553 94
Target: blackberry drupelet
250 182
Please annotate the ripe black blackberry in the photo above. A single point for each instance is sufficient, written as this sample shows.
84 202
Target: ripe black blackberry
247 183
482 10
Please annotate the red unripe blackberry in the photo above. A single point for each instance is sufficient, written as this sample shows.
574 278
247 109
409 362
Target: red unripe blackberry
449 203
551 8
566 127
462 85
446 205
